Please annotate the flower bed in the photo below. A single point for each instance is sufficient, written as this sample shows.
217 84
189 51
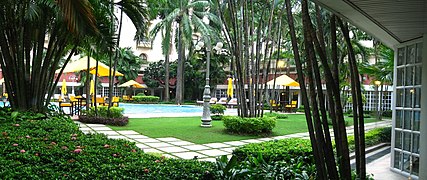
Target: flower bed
55 148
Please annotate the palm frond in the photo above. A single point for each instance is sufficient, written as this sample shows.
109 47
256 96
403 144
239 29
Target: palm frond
138 14
78 16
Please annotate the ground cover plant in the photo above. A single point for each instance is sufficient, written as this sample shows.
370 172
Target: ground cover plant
188 128
38 147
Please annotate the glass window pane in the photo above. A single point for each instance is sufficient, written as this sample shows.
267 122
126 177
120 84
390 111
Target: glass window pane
407 120
398 139
401 56
399 97
416 121
419 53
399 118
418 75
409 76
406 162
407 141
408 97
400 74
416 144
397 160
417 97
411 54
415 165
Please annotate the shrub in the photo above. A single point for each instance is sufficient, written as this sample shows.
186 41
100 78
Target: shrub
301 108
146 99
276 115
115 112
217 111
278 159
115 117
123 121
235 124
55 148
373 137
388 113
140 94
276 150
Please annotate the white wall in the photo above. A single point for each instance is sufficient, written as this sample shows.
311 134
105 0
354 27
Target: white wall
154 53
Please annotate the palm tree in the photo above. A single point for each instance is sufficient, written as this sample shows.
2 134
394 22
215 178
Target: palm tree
188 16
35 37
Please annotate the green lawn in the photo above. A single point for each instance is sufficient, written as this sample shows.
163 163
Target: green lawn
188 128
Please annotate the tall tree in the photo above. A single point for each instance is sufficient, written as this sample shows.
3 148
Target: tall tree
188 17
28 65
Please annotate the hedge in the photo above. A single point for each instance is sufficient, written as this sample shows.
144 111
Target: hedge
145 99
55 148
279 159
261 125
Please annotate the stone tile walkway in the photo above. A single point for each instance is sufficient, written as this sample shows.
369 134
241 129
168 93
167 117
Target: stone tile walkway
177 148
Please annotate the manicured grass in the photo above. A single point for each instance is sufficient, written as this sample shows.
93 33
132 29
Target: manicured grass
188 128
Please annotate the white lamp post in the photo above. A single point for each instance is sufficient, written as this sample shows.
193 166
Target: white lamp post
206 117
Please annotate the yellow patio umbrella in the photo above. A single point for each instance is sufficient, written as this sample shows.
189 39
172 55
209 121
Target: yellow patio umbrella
283 80
133 84
81 65
64 88
92 87
230 88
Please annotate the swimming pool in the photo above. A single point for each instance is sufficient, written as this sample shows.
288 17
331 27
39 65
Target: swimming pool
159 108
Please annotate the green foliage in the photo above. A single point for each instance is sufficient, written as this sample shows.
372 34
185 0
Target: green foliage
140 94
301 108
115 112
276 115
278 159
145 99
55 148
217 109
127 63
388 113
260 125
373 137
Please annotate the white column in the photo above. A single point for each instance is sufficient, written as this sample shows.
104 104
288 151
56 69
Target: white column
423 121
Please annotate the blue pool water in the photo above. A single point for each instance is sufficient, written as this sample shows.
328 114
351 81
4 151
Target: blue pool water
159 108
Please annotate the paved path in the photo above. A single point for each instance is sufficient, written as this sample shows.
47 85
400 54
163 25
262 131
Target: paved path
177 148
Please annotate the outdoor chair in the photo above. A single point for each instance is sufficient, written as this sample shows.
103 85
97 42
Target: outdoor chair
292 106
274 105
232 102
213 100
199 102
99 101
115 101
222 101
63 104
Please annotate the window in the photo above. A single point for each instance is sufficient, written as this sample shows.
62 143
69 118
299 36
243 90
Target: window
407 114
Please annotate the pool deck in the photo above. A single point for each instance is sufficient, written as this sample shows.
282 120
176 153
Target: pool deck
231 112
176 148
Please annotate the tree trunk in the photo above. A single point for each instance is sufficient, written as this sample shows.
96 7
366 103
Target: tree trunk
167 94
320 169
359 129
180 73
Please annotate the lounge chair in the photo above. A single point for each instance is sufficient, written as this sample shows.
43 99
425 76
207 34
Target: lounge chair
63 104
292 106
115 101
199 102
213 100
127 98
222 101
232 102
100 101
